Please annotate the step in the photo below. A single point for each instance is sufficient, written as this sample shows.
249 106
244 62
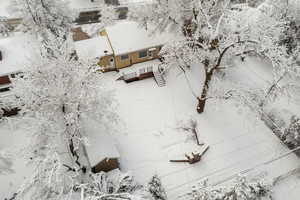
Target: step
159 79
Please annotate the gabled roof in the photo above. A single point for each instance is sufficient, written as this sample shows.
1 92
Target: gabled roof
93 48
128 36
101 145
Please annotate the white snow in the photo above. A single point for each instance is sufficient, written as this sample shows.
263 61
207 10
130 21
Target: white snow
101 145
127 36
288 186
14 142
4 8
93 48
83 4
128 2
238 143
15 53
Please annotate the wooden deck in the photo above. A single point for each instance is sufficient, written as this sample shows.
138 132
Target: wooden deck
143 73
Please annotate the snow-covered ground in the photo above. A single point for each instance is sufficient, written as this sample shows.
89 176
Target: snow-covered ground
148 137
13 142
4 11
288 186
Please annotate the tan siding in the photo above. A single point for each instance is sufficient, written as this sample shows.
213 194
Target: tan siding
134 58
122 63
103 33
105 61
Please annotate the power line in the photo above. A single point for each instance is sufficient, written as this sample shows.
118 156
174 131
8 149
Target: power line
242 172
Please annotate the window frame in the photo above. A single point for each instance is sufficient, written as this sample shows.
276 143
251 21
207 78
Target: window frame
143 51
125 55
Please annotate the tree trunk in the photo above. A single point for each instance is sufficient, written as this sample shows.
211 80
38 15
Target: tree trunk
203 98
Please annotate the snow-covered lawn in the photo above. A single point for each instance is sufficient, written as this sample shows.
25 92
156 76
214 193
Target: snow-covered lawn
13 143
149 138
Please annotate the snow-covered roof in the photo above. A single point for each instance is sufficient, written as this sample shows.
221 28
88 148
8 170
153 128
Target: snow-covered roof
101 145
4 8
127 2
14 53
84 4
93 48
128 36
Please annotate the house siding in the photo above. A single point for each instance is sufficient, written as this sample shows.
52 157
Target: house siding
134 58
105 62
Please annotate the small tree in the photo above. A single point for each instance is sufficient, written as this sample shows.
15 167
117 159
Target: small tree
116 186
291 134
156 189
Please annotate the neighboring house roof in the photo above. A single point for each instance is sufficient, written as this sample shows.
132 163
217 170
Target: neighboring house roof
84 5
128 36
126 2
93 48
4 8
101 145
14 53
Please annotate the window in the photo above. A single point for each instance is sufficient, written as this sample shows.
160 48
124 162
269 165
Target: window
124 57
143 54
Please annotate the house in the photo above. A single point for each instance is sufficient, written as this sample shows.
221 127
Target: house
133 44
122 45
13 56
14 53
101 149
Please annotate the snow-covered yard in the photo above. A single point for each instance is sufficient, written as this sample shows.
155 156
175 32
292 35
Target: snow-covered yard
149 139
13 143
150 117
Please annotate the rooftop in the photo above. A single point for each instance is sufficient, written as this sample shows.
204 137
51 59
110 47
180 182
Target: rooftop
101 145
93 48
127 36
4 8
14 53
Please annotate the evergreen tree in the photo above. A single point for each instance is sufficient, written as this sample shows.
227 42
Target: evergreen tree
156 189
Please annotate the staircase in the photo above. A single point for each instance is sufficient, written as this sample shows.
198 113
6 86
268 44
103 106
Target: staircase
159 79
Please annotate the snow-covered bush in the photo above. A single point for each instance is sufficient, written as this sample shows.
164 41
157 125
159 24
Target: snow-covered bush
156 189
291 134
5 27
241 189
112 186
